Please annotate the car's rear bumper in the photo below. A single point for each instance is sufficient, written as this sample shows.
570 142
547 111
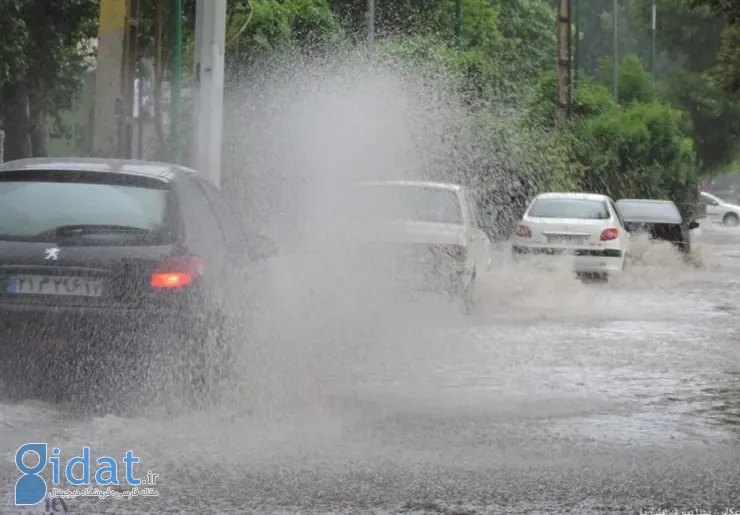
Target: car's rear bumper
36 330
582 260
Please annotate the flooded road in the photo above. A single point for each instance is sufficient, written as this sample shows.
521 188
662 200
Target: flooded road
554 397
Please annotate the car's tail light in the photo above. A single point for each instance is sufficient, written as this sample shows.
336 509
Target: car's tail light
609 234
523 231
177 272
456 252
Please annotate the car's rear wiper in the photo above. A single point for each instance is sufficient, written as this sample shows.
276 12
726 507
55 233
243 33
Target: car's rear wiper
85 229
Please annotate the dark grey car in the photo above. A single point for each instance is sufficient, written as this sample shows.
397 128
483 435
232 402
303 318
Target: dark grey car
115 259
660 219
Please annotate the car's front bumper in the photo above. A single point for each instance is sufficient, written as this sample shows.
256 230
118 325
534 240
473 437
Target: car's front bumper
582 260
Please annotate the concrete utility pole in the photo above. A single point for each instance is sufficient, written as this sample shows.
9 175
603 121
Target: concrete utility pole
114 78
563 64
109 77
210 39
130 94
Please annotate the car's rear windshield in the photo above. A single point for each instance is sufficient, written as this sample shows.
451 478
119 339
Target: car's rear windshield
104 212
570 208
413 203
637 211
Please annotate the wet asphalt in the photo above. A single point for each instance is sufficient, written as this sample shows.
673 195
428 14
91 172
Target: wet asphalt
554 397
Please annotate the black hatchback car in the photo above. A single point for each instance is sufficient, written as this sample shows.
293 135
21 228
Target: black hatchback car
119 259
660 219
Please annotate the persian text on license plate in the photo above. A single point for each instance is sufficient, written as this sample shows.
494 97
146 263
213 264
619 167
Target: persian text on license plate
55 285
566 239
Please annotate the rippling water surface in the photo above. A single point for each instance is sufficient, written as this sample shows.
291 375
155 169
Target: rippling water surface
555 395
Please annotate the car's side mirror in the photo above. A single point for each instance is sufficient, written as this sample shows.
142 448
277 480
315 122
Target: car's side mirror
693 225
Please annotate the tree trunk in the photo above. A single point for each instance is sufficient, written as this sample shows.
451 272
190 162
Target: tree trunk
17 122
38 133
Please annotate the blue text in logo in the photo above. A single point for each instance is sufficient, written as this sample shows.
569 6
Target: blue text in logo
31 488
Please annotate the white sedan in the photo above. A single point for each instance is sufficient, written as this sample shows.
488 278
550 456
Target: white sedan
586 226
437 225
719 211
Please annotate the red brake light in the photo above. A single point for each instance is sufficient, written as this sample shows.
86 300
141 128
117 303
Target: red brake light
609 234
177 272
523 231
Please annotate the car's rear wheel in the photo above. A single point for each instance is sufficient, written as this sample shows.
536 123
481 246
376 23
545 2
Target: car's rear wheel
731 220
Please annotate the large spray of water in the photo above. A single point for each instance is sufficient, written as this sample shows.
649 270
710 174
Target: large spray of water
324 312
298 139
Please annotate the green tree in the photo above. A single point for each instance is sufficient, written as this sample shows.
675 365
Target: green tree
635 84
269 29
725 8
529 38
642 150
596 38
715 117
696 36
48 55
14 40
727 68
13 61
589 99
689 36
505 44
593 97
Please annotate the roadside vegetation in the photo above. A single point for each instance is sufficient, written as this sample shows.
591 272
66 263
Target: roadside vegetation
669 129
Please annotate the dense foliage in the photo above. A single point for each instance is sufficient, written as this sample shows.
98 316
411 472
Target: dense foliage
44 54
668 129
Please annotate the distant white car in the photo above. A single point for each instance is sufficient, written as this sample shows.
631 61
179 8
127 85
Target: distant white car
586 226
719 211
436 228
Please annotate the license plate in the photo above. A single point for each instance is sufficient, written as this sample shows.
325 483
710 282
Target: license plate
565 239
55 285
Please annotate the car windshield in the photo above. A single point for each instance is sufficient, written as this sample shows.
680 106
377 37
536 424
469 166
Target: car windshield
635 210
37 210
569 208
408 203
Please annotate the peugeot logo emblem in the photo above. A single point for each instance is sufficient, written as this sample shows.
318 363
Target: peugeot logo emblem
52 253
